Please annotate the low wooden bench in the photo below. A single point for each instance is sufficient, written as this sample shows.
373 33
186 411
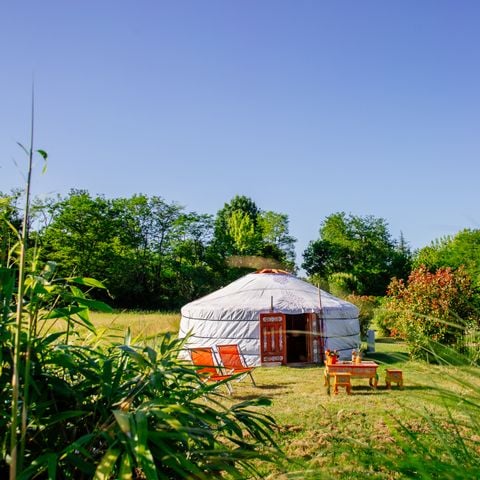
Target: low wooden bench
341 380
393 376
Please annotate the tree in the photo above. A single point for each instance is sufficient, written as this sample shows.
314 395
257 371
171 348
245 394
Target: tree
193 260
149 252
10 222
276 237
453 251
237 230
358 246
242 229
82 235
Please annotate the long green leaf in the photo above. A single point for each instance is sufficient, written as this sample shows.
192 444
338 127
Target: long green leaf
89 282
64 312
94 304
38 465
143 453
125 472
123 421
106 466
59 417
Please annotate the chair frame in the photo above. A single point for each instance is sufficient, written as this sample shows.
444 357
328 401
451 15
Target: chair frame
233 360
209 367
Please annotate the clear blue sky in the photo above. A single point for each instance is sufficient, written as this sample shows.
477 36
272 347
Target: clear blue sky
307 107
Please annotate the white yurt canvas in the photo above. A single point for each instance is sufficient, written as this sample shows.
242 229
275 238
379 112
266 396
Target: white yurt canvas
275 318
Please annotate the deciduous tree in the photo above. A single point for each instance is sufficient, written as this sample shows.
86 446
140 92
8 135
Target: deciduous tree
358 246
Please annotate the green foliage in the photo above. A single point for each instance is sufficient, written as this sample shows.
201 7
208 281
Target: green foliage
152 254
149 253
342 284
367 305
10 223
242 229
384 320
358 246
460 249
430 307
276 238
227 233
110 410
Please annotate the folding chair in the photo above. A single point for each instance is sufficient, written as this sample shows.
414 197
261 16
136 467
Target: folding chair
204 359
232 360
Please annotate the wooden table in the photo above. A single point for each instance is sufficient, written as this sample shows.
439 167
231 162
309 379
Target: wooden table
356 370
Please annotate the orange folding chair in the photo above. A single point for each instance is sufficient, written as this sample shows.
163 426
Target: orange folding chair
204 359
232 360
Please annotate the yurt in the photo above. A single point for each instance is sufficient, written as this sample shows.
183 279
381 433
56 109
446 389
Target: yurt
275 318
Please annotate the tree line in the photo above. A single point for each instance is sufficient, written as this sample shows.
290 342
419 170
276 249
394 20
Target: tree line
154 254
149 252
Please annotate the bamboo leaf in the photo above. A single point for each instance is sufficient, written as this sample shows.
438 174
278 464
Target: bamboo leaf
89 282
59 417
123 421
39 464
144 455
93 304
134 355
43 153
23 148
52 467
125 472
151 353
64 312
106 466
76 291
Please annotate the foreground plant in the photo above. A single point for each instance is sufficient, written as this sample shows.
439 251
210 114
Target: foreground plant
115 410
437 441
105 410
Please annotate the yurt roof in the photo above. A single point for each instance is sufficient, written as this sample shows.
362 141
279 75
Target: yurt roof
251 294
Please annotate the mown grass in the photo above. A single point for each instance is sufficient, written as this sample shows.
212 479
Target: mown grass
347 436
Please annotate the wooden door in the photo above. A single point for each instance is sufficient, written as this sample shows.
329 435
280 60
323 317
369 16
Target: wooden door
315 344
273 338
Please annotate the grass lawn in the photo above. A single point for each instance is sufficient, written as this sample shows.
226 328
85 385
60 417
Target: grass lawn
348 436
142 324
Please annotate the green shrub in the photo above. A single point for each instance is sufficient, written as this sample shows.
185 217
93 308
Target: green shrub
113 410
432 309
384 320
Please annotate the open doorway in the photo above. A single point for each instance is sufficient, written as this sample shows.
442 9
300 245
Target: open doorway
297 338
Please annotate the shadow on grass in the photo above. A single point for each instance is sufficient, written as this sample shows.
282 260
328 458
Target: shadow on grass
394 388
251 396
390 358
277 386
388 340
275 390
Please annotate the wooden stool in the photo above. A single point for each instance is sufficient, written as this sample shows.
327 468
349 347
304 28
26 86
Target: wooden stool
394 376
342 380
